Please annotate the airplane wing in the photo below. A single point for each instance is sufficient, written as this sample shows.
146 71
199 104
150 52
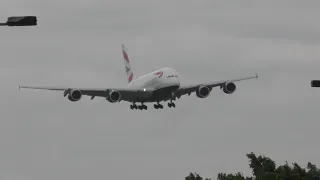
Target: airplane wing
126 94
188 89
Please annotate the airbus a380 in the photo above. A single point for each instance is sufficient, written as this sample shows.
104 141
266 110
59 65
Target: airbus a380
155 87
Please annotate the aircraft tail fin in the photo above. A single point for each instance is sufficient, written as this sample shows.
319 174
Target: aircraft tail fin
127 64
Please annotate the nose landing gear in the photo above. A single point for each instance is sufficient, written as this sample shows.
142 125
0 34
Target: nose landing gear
173 98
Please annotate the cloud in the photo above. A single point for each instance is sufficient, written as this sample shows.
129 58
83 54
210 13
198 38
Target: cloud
78 44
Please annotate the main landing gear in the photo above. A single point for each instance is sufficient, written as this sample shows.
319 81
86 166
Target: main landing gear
171 104
158 106
141 107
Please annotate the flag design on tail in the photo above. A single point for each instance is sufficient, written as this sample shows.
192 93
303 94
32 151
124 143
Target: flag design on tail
127 64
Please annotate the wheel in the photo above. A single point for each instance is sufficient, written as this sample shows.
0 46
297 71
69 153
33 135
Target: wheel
169 105
160 106
135 106
156 106
173 105
145 107
131 106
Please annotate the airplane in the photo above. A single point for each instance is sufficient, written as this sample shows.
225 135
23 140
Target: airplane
154 87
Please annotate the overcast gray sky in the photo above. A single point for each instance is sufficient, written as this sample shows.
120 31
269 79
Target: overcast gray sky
78 44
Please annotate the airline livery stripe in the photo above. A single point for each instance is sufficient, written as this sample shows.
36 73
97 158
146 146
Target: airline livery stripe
125 56
130 77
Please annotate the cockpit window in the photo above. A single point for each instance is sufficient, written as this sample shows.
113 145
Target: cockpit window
173 75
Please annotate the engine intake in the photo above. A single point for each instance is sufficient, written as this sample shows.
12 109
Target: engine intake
203 91
74 95
114 96
229 88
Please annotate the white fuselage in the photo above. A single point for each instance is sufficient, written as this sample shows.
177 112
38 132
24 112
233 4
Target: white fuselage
160 83
159 79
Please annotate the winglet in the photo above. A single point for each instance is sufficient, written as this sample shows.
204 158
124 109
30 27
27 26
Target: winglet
257 75
19 87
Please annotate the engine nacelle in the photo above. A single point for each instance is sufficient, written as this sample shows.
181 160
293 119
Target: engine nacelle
74 95
203 91
114 96
229 88
315 83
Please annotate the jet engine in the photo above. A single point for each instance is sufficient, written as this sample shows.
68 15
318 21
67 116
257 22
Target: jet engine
114 96
74 95
315 83
203 91
229 88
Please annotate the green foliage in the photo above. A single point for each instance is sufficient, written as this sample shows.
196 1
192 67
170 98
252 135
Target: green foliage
237 176
264 168
194 176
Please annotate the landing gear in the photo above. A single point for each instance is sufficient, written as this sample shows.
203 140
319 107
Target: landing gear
171 104
133 106
173 97
141 107
158 106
